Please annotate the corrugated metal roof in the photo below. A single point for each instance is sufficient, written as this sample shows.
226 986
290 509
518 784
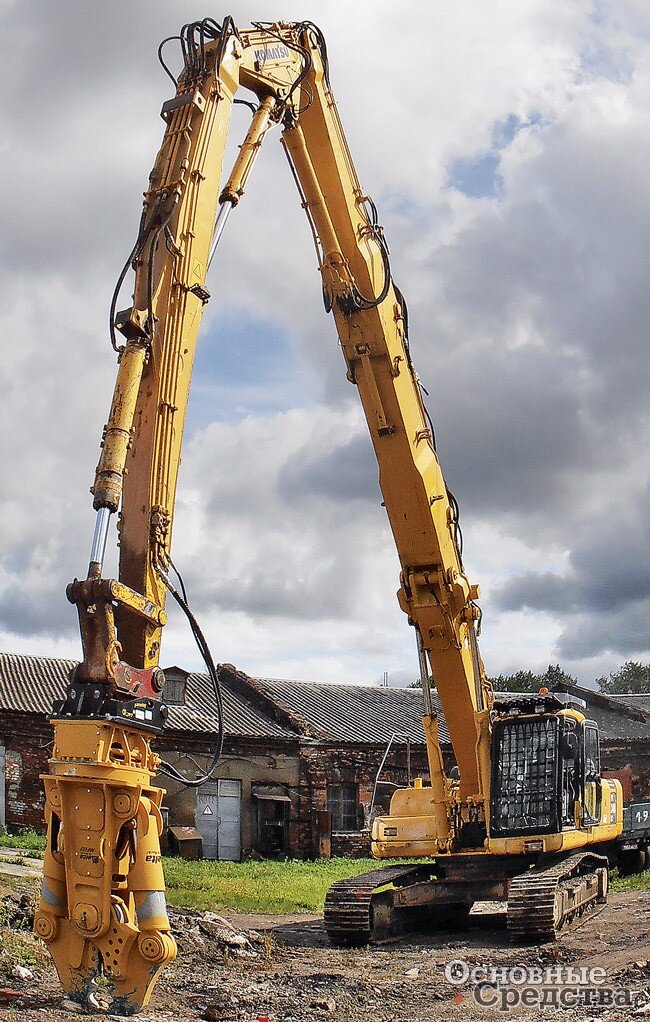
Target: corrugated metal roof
241 718
618 720
332 713
358 713
640 700
29 684
613 725
352 713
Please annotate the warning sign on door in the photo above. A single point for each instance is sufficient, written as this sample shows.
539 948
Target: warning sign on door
207 811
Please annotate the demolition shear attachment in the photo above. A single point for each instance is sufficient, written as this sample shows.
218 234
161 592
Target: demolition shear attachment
102 908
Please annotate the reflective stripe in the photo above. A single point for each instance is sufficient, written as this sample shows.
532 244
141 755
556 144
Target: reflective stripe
48 895
153 906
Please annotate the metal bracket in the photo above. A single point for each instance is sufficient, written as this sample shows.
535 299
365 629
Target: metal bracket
201 293
195 98
384 428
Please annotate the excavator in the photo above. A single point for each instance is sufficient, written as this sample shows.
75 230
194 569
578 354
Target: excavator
525 815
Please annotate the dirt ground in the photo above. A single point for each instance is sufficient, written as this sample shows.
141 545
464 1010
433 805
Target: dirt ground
285 971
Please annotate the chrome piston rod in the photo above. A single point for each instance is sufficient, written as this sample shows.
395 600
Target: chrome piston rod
98 547
220 223
102 521
234 187
424 675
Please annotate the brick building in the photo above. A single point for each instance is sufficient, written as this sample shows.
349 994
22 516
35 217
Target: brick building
299 766
299 770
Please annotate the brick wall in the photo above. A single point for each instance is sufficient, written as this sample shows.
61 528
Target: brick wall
322 765
306 770
27 740
633 757
250 761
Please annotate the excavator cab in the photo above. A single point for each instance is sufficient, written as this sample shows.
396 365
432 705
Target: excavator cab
545 767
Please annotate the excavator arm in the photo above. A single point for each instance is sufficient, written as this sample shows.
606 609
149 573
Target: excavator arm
372 324
102 907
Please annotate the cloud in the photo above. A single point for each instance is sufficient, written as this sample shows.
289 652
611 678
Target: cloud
603 595
345 472
278 548
528 302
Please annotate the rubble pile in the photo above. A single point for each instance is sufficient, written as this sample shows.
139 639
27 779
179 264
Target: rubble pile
16 920
214 933
17 911
228 971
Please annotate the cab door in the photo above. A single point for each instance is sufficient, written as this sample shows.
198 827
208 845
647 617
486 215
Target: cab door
593 788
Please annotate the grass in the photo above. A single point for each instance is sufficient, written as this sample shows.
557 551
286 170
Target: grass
283 887
286 887
267 887
18 947
636 882
289 887
28 840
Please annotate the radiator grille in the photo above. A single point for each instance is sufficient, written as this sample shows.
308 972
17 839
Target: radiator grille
524 781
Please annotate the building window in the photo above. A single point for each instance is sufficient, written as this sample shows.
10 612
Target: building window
342 802
174 693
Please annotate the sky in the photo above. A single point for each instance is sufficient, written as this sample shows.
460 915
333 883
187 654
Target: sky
506 146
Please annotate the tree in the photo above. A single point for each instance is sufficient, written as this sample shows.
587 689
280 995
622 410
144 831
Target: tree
528 681
418 683
554 676
524 681
520 681
631 677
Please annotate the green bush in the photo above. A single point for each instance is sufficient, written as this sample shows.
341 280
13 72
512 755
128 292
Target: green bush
27 839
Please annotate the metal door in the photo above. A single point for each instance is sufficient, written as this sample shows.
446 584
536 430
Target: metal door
230 820
207 819
2 786
218 819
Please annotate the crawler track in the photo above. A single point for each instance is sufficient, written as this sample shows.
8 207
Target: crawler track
544 903
348 905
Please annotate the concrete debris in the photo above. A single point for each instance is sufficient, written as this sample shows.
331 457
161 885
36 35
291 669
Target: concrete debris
7 995
17 912
216 1013
297 976
194 928
21 973
327 1004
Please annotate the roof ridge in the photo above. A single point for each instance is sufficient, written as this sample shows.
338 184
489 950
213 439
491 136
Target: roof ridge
605 702
628 695
247 688
331 685
37 656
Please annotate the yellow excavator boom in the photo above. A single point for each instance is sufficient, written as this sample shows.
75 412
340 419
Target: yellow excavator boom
102 907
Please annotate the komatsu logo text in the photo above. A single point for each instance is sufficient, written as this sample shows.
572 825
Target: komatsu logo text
272 53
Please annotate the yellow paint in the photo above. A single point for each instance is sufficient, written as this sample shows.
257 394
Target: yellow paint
99 791
102 864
